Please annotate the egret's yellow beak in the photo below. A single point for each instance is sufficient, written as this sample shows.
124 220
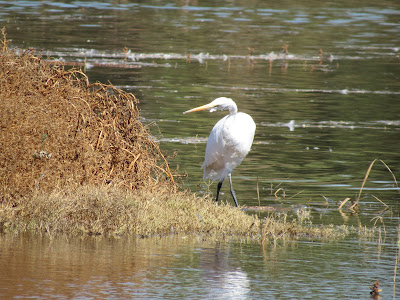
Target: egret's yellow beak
200 108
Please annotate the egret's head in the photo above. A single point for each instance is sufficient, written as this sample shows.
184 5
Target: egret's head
221 103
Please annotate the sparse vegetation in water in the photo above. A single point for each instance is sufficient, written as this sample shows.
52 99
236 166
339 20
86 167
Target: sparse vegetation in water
281 226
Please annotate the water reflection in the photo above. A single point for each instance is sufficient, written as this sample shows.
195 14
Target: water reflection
221 274
178 267
39 267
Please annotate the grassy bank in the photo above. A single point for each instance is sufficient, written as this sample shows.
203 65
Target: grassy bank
105 210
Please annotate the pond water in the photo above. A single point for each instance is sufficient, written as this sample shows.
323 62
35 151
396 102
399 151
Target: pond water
320 79
190 268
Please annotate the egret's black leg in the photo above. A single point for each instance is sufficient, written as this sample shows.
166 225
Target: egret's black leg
232 191
218 189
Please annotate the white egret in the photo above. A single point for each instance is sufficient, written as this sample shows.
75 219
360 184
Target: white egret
229 142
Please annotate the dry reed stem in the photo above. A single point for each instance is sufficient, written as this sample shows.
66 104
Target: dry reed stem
325 198
354 207
396 262
367 175
258 194
344 202
4 41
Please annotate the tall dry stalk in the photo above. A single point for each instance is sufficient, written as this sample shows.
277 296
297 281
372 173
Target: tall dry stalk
355 205
396 261
258 194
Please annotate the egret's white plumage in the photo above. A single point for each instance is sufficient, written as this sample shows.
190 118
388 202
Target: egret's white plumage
229 142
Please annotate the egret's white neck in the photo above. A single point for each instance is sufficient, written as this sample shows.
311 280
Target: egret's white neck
233 109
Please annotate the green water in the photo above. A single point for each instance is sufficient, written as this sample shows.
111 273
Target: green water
338 81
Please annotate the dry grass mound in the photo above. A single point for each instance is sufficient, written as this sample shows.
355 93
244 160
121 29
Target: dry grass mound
57 129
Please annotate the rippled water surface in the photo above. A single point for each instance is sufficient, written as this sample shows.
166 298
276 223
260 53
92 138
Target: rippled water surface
171 268
322 82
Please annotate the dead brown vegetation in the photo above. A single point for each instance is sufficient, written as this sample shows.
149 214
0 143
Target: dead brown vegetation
57 130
